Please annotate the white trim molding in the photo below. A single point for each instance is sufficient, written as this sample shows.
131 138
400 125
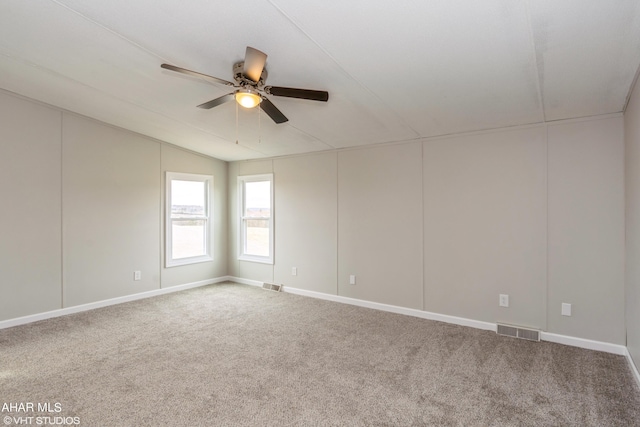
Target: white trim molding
104 303
242 281
377 306
633 367
395 309
544 336
584 343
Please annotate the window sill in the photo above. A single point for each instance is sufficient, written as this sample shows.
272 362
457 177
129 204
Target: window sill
258 259
187 261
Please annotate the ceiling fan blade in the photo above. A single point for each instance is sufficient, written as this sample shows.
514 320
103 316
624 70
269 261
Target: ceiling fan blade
254 61
271 110
196 74
215 102
290 92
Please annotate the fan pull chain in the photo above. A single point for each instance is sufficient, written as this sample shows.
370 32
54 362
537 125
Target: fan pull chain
259 128
236 122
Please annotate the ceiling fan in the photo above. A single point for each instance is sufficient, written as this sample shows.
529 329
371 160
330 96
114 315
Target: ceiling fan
250 90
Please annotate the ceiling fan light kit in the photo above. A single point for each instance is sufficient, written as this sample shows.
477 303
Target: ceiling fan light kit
250 77
247 98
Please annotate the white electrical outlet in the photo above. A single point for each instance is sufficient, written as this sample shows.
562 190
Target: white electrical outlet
566 309
352 279
504 300
294 271
137 275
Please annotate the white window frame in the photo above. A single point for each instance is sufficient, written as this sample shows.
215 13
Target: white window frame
242 180
208 256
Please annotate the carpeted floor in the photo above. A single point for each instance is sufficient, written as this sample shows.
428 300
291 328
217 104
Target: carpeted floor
233 355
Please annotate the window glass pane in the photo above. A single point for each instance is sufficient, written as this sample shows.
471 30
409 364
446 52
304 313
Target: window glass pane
257 199
187 198
257 237
188 238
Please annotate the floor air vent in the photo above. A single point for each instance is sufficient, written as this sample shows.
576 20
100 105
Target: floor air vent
271 287
518 332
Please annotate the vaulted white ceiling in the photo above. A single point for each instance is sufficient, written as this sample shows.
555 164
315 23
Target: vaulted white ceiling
395 71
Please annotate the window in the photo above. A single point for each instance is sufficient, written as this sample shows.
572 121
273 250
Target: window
188 235
256 218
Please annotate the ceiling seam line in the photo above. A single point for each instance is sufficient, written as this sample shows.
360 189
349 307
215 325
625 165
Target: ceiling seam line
535 61
311 136
52 72
335 61
633 85
104 27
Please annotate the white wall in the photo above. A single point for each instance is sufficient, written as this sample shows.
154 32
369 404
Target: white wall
110 223
380 224
632 190
30 208
82 210
442 225
335 216
447 224
586 229
306 222
485 226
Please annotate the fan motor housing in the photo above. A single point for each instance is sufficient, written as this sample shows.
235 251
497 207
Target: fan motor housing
239 77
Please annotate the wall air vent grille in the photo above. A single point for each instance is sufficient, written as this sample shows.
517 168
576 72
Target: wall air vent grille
271 287
518 332
508 331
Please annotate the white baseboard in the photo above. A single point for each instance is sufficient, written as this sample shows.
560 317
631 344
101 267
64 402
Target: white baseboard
634 368
395 309
584 343
244 281
377 306
544 336
104 303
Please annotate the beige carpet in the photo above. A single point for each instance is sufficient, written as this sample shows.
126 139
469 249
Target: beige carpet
233 355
